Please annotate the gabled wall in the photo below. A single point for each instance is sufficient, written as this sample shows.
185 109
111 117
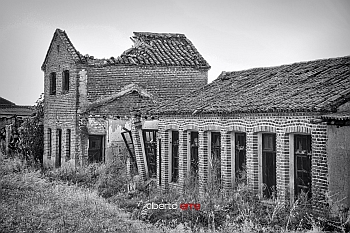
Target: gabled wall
122 105
164 83
60 109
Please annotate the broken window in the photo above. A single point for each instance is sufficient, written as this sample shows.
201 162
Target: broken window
68 143
52 81
174 156
127 137
65 81
95 152
194 154
269 164
302 165
240 154
216 156
149 138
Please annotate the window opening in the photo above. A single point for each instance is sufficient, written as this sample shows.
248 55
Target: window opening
52 83
95 152
302 165
216 156
49 134
59 147
65 81
174 156
269 165
149 138
68 141
240 154
194 154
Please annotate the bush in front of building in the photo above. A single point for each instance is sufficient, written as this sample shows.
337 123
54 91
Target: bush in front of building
86 176
113 179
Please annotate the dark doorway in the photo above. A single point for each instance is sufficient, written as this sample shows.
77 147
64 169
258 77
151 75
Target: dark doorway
216 156
240 154
95 148
269 164
150 143
194 154
59 147
302 164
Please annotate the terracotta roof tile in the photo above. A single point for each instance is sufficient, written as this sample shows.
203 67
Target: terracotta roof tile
314 86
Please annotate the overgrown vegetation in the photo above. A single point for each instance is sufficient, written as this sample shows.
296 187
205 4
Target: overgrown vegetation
89 199
27 136
30 203
238 210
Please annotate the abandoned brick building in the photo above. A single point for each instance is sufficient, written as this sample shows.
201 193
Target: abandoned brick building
88 100
288 126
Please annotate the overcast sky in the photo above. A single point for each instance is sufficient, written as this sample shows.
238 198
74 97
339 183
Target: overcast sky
230 34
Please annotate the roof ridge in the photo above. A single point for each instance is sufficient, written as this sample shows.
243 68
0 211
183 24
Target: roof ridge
284 65
160 34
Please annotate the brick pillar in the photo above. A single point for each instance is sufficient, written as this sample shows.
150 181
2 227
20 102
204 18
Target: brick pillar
282 166
165 160
182 158
226 168
252 161
135 132
319 163
202 161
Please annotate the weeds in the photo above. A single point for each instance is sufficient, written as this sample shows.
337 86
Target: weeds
42 201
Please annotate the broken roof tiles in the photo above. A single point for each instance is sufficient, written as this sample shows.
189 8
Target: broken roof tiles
314 86
150 49
160 49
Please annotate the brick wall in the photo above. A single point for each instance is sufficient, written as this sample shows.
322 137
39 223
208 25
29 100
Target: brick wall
253 125
163 82
65 110
123 105
60 109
